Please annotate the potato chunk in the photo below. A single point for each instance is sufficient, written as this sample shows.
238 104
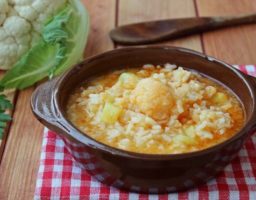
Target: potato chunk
183 139
190 131
153 98
220 98
110 113
128 80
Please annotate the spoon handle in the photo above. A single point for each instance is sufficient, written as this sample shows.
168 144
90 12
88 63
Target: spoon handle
233 21
157 31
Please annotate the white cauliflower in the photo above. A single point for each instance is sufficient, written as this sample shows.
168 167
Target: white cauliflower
21 22
40 38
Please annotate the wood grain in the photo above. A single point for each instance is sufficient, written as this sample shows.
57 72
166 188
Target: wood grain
102 20
20 161
233 45
145 10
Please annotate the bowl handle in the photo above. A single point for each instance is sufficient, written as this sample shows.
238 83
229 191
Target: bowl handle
43 104
44 107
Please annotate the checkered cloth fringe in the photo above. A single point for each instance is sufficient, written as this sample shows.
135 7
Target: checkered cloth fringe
60 177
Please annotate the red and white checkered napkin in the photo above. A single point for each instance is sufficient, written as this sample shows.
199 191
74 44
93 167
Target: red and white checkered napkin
60 177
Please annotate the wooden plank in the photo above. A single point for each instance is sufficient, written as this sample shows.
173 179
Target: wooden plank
145 10
102 20
233 45
19 166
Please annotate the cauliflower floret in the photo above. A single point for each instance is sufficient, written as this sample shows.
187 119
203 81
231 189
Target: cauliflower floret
12 12
21 2
39 5
26 12
37 26
25 39
20 28
2 18
14 40
4 8
8 49
3 34
153 98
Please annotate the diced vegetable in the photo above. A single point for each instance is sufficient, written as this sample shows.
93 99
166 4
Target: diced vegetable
183 139
128 80
110 113
220 98
107 97
190 131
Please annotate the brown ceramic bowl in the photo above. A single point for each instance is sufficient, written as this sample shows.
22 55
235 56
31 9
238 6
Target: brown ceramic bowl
135 171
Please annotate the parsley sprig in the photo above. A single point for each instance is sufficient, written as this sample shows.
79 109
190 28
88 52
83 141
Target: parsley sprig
5 104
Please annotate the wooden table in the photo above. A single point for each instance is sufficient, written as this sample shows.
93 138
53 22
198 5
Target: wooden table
20 149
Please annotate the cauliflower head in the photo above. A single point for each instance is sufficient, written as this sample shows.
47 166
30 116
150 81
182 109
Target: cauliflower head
40 38
21 23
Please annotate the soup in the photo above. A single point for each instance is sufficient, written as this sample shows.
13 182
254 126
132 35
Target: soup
155 110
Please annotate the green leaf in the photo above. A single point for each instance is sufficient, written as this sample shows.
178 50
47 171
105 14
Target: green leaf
1 88
75 44
5 117
1 133
32 67
3 124
54 32
62 44
4 103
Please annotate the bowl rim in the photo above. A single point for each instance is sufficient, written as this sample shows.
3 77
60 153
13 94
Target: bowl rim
96 145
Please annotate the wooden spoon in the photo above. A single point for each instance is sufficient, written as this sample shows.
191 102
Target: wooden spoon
156 31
